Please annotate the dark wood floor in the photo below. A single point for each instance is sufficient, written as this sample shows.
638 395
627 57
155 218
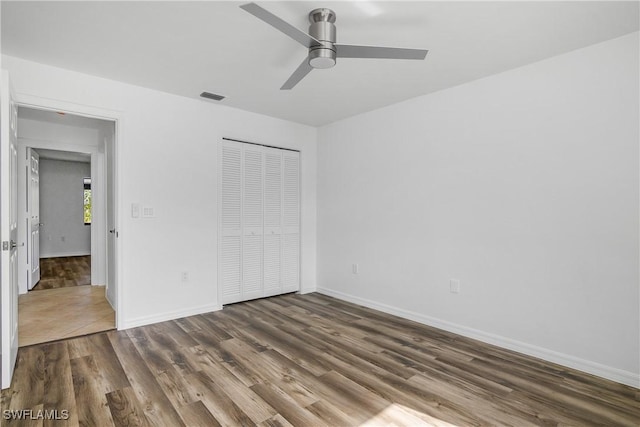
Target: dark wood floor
306 361
62 272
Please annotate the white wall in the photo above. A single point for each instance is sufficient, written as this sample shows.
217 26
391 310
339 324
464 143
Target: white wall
61 201
166 159
523 185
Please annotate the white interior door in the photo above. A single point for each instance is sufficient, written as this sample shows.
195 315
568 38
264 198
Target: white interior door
112 221
8 230
34 217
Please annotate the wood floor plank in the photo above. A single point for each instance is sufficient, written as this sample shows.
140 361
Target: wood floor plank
291 346
90 389
330 414
161 352
256 408
172 329
281 312
377 359
276 421
79 347
58 384
156 406
202 323
175 388
223 408
327 312
197 415
305 360
398 391
242 356
27 389
125 409
105 357
286 405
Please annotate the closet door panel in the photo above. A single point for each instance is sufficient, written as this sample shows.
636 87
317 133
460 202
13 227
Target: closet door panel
272 221
252 267
290 262
252 221
291 191
230 269
291 221
252 186
272 264
230 264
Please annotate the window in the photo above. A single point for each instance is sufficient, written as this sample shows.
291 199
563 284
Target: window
87 201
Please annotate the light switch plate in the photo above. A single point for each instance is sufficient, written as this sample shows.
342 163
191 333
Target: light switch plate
454 286
135 210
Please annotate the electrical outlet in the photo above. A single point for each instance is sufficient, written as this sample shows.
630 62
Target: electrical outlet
355 269
135 210
454 286
185 276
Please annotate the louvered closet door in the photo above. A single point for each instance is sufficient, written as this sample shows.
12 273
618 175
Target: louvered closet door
290 221
252 221
230 258
259 221
272 221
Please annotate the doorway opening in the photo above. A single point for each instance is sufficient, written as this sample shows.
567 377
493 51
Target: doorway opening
66 204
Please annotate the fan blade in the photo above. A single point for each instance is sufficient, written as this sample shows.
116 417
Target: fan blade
300 36
351 51
302 70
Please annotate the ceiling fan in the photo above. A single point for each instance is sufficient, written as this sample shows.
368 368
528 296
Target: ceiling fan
321 42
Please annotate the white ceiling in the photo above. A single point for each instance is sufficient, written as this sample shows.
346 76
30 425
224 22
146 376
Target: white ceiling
66 156
189 47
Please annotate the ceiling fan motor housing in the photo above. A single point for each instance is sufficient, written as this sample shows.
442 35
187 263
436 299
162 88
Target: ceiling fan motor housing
322 28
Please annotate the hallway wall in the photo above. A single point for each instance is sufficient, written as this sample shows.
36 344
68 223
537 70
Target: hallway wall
61 203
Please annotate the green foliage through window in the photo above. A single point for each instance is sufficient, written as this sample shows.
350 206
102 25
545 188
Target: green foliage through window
87 201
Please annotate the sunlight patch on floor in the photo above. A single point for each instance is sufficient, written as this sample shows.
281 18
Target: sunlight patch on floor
399 415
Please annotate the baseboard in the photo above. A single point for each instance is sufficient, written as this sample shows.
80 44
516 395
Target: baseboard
170 315
593 368
65 254
307 290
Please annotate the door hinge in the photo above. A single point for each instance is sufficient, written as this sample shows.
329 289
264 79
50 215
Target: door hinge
5 245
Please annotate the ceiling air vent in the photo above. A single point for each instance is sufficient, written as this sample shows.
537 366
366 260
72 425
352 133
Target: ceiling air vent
213 96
